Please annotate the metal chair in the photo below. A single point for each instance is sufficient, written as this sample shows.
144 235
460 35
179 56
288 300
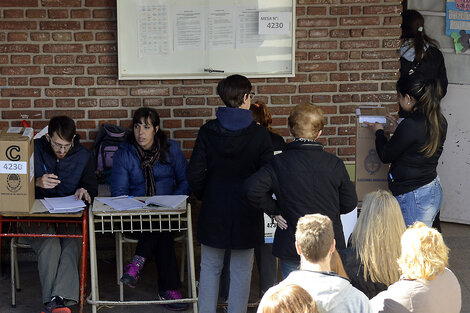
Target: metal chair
122 239
15 275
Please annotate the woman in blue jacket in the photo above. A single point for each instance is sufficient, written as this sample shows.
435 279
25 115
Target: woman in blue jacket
149 164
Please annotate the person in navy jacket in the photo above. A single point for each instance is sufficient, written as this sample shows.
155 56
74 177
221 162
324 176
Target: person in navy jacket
149 164
62 167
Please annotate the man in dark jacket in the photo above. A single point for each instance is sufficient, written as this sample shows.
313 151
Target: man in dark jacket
227 151
62 167
305 179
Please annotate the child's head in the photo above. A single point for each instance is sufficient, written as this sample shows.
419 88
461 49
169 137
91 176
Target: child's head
234 90
289 299
423 252
314 236
306 121
412 24
260 113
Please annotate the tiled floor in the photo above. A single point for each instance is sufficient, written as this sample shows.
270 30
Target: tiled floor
456 236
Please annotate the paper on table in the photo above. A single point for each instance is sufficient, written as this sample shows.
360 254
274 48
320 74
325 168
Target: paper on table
122 203
172 201
63 204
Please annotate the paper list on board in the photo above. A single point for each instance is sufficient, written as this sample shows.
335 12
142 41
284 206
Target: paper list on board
153 30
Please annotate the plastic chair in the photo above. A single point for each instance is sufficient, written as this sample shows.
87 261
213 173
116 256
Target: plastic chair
122 239
15 275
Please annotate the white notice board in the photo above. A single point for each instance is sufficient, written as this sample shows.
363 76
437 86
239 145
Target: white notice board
167 39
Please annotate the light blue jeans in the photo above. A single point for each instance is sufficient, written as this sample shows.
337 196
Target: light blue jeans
212 262
421 204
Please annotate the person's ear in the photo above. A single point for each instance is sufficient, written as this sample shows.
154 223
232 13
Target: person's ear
48 137
157 128
297 248
319 134
333 246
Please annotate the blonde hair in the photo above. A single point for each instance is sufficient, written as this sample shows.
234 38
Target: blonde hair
314 235
289 299
376 237
306 121
423 252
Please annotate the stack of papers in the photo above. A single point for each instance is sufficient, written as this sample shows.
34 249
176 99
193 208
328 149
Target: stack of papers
167 201
63 204
122 203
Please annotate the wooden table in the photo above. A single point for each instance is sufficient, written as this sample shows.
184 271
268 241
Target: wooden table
17 224
105 220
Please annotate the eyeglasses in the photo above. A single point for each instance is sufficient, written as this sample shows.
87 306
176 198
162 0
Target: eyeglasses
59 147
252 95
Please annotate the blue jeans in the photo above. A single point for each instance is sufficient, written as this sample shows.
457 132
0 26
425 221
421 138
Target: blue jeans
421 204
288 266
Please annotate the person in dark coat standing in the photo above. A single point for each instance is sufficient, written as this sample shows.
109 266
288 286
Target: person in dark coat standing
227 151
305 179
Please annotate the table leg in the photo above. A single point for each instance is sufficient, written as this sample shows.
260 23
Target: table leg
84 262
1 267
93 262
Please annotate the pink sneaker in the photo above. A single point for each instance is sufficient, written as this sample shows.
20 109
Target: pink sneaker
131 275
172 295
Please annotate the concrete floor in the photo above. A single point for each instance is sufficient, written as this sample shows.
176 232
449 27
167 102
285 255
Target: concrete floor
456 236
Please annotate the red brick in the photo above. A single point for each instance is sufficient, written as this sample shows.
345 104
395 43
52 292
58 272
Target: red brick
64 59
316 10
19 48
317 88
276 80
16 81
103 25
42 59
299 78
346 130
384 97
108 59
338 55
391 43
3 59
280 100
20 59
109 102
381 54
382 32
64 70
339 76
195 101
65 103
35 13
338 141
318 77
391 65
317 67
299 11
382 9
86 59
354 55
58 14
150 91
70 113
87 103
63 48
324 45
152 102
43 103
65 92
4 103
84 81
300 99
300 56
389 86
188 144
11 115
360 44
379 76
95 114
359 1
193 90
102 70
61 3
318 56
173 101
346 151
40 36
359 66
16 3
341 98
335 10
62 80
86 124
20 103
108 92
329 109
172 124
107 81
39 81
359 21
131 102
69 25
101 48
103 13
16 25
358 87
316 22
105 36
192 112
62 36
185 133
193 122
20 70
321 98
393 20
84 36
100 3
17 36
80 13
277 89
301 33
281 110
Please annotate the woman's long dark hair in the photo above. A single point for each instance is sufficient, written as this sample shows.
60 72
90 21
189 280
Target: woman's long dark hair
428 95
151 115
412 28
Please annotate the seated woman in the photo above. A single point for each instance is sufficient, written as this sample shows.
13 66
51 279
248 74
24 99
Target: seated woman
426 284
149 164
288 299
374 246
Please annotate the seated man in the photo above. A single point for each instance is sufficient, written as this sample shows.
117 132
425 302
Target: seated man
62 167
315 243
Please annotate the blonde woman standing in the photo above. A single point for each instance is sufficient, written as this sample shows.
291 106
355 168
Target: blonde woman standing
426 284
374 246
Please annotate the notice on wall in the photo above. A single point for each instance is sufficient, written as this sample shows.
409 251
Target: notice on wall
248 32
188 29
153 30
220 30
274 23
458 24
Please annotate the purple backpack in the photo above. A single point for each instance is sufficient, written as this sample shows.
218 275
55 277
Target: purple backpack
106 144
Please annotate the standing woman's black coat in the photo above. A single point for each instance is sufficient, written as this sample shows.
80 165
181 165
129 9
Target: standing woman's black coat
221 160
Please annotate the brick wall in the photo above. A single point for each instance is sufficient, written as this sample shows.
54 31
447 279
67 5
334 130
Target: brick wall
60 57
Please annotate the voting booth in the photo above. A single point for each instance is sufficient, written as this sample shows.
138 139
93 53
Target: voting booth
165 39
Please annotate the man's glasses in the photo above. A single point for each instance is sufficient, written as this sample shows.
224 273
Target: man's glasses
59 147
252 95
